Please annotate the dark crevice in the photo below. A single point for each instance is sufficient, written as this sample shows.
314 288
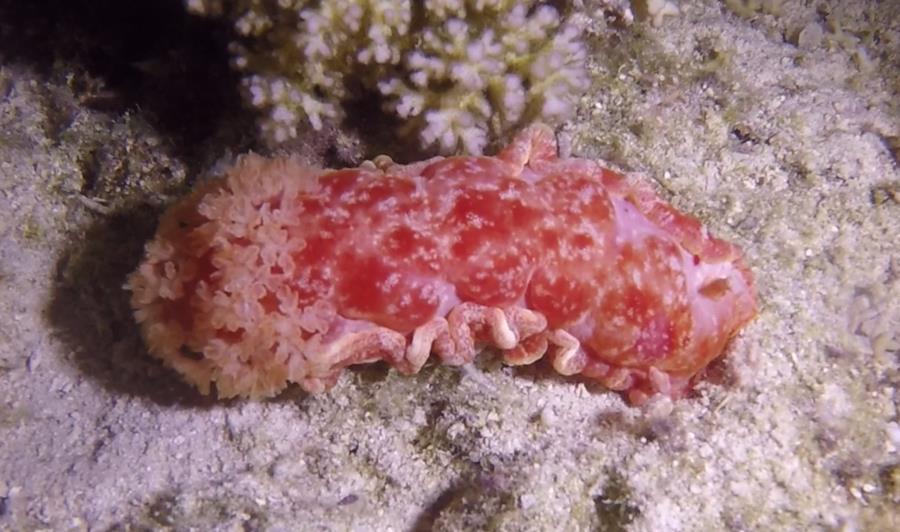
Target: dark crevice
120 56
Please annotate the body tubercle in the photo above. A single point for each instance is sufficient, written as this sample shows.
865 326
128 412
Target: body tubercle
283 273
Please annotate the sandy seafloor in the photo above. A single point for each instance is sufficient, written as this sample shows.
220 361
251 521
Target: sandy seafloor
784 142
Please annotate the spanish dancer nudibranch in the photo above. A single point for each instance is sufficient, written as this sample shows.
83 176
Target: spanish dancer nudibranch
283 273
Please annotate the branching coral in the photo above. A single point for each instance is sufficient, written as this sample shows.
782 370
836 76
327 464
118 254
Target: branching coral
458 71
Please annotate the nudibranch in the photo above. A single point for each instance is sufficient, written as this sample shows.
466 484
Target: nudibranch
282 273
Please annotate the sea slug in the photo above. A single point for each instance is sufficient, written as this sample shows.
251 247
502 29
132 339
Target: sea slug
284 273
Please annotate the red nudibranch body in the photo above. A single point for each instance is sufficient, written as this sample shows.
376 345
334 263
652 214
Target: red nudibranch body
283 273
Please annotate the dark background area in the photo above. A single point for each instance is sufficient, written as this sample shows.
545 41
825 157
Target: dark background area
149 55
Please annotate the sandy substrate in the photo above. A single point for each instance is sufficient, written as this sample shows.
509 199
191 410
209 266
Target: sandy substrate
779 127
